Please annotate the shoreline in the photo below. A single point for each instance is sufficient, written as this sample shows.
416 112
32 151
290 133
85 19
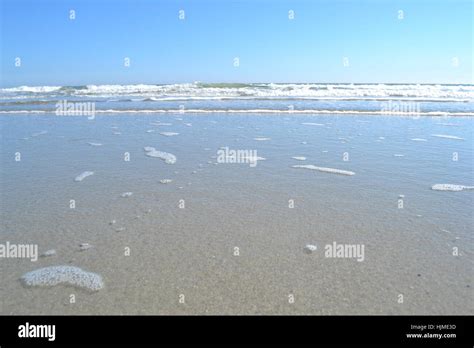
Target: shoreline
253 111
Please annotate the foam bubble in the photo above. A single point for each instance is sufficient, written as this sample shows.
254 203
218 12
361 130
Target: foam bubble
160 124
324 169
166 181
167 157
83 175
169 134
67 275
309 248
126 194
446 136
451 187
48 253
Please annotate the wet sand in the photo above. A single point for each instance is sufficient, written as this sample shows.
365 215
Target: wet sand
190 251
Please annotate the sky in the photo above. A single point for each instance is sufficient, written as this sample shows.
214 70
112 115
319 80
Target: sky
364 41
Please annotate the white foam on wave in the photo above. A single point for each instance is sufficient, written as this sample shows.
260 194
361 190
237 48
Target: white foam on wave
419 139
446 136
83 175
451 187
95 144
126 194
66 275
169 158
299 158
198 91
261 139
324 169
312 124
169 134
165 181
251 111
31 89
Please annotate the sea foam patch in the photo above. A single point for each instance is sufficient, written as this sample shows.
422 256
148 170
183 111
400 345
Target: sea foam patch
451 187
160 124
83 175
444 136
169 134
169 158
63 275
324 169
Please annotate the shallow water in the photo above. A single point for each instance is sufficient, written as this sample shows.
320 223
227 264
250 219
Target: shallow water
190 251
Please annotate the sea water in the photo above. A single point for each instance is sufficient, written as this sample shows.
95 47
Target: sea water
231 237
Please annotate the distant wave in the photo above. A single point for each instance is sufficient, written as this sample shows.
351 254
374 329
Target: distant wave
286 112
23 101
257 91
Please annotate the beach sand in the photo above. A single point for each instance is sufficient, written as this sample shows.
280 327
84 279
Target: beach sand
150 251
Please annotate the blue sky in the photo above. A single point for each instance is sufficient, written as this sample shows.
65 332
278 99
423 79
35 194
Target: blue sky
423 47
